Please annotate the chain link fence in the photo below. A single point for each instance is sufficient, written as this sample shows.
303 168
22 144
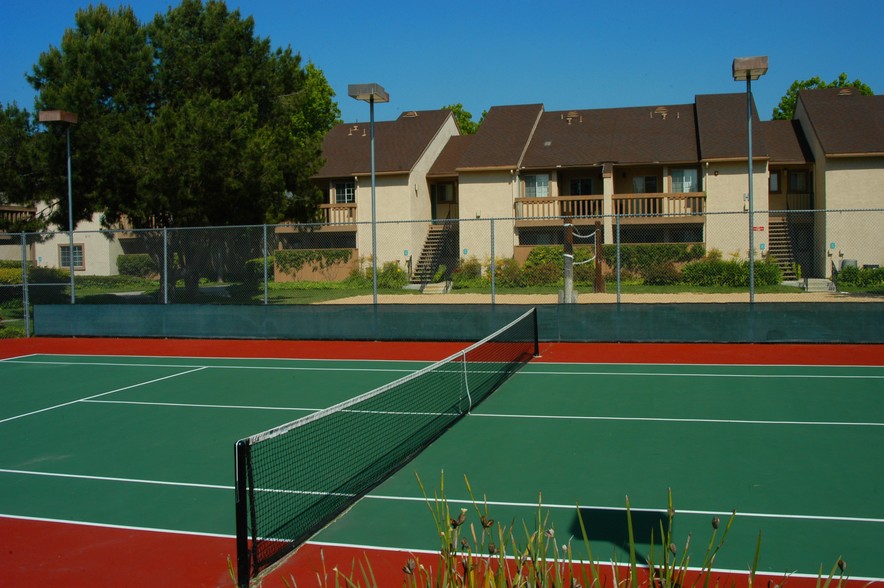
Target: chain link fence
800 256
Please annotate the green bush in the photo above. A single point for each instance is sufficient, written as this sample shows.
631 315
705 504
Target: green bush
291 260
714 271
112 282
391 275
662 274
468 274
141 265
860 277
639 257
254 269
508 274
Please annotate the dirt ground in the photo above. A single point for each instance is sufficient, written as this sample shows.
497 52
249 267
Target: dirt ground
609 298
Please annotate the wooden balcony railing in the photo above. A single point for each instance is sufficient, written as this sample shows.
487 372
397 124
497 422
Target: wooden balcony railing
12 213
537 208
688 203
683 203
339 213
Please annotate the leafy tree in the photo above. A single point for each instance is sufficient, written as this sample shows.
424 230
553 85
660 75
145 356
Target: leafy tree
786 108
19 164
464 119
188 120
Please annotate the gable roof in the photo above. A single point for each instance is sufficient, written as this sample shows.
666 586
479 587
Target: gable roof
722 128
448 161
786 142
398 144
501 139
617 135
844 121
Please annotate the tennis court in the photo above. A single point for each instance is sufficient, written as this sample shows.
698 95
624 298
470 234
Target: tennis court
129 456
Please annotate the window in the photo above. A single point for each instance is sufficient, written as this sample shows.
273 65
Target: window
537 186
774 182
685 180
444 192
345 193
644 184
64 256
798 181
581 187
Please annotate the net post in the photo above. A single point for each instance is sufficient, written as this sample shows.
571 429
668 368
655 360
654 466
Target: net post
536 333
242 524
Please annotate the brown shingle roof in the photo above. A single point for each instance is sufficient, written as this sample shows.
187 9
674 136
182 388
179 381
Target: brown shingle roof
785 142
449 160
502 137
844 121
621 135
722 129
398 144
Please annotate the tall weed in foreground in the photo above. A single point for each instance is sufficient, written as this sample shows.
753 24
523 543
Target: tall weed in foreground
475 551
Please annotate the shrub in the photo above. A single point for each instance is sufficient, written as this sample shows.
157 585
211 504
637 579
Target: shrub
639 257
253 269
141 265
508 274
291 260
391 275
714 271
468 274
662 274
860 277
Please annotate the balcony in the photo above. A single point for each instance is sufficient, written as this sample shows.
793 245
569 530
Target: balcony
659 207
632 208
11 214
547 210
340 217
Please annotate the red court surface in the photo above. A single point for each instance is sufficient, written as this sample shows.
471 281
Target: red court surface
43 553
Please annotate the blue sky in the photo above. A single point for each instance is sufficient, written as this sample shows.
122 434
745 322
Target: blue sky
566 55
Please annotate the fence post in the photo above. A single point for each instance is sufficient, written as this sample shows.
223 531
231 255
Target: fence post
492 262
24 284
265 264
165 265
617 248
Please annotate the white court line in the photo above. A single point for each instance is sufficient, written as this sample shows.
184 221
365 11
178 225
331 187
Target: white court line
111 526
705 375
421 499
220 367
679 420
196 405
112 479
100 395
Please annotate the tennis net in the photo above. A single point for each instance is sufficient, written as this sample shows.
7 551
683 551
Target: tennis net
296 478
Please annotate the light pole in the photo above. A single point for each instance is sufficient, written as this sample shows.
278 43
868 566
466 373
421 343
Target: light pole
750 68
371 93
70 118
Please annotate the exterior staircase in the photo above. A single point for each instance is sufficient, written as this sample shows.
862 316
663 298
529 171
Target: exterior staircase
433 254
780 246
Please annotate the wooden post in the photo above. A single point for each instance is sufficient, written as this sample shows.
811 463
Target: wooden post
569 261
599 282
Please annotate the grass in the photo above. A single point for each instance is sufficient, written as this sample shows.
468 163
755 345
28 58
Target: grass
475 551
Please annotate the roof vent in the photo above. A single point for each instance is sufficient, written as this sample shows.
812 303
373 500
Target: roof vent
572 116
662 111
409 114
848 91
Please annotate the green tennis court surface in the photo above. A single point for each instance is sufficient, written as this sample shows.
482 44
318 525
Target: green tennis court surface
148 443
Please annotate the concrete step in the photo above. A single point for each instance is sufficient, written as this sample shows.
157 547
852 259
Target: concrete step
437 288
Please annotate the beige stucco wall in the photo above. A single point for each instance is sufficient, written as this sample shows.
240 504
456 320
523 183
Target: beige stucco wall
487 195
854 183
400 197
100 249
727 224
